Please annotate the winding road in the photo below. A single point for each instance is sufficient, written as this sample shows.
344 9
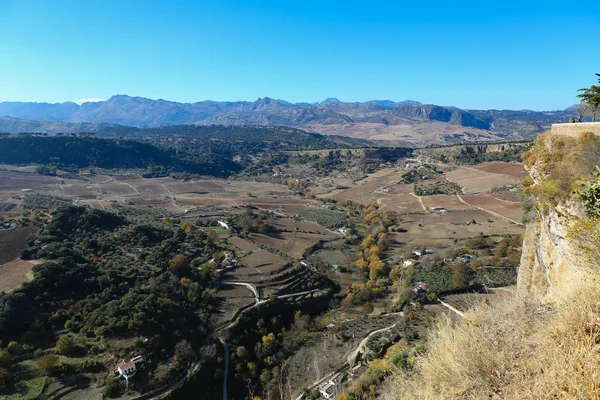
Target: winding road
351 357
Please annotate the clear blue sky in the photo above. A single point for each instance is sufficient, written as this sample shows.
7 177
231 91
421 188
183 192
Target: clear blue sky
471 54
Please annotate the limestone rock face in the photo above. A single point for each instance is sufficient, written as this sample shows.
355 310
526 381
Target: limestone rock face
550 264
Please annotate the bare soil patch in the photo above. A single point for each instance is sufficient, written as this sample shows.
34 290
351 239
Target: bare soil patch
512 169
475 180
454 225
402 203
448 202
13 274
509 209
12 241
290 243
261 261
242 244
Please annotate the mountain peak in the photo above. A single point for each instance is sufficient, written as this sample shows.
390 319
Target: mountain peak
331 100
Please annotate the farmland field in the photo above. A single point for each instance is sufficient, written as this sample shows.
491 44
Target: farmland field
12 241
476 180
291 243
510 209
14 273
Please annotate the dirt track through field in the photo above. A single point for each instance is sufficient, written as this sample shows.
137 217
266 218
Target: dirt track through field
489 211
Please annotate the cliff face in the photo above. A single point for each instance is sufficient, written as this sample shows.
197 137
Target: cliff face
552 264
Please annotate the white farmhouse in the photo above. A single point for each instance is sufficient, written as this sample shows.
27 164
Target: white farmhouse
224 224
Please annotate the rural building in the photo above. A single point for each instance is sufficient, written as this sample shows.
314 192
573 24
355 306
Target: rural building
357 370
417 253
128 368
343 231
336 379
328 391
407 263
305 263
224 224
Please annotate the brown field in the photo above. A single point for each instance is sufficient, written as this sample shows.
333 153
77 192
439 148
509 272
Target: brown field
12 241
290 243
81 191
242 244
449 202
453 225
509 209
475 180
118 189
16 181
232 298
402 204
291 225
512 169
260 261
13 274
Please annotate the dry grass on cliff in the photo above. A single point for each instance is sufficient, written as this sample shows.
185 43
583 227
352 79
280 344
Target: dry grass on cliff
520 349
564 163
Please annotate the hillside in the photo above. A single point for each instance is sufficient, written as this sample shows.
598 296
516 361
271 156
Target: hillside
69 152
543 342
18 125
383 120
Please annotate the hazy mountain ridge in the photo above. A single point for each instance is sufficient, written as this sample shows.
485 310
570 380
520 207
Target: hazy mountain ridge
143 113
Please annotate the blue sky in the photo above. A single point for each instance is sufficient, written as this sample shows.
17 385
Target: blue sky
471 54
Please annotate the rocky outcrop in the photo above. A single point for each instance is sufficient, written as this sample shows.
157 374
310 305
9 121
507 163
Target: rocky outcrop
552 264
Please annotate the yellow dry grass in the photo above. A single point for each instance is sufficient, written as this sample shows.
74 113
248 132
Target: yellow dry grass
518 349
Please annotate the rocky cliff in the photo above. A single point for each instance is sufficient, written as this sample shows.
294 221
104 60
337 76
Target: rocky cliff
552 263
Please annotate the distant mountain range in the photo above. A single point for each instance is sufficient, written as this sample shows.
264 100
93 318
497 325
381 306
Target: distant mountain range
399 122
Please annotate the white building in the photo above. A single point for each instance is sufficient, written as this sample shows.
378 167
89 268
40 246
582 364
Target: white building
128 368
328 391
224 224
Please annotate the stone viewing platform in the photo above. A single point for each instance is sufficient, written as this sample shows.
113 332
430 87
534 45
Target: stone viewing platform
575 129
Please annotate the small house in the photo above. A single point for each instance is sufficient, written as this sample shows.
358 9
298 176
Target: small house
328 391
357 370
336 379
417 253
224 225
306 264
128 368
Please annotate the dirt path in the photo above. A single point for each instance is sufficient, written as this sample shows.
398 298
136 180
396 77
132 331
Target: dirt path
420 201
449 307
363 343
350 359
488 211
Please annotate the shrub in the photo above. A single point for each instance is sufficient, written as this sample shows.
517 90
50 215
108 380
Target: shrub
65 345
48 364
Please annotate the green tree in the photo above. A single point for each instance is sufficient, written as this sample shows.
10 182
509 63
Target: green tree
5 358
591 97
178 264
65 345
460 279
48 364
14 348
4 377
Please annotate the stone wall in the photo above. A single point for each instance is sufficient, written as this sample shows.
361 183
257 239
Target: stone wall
576 129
